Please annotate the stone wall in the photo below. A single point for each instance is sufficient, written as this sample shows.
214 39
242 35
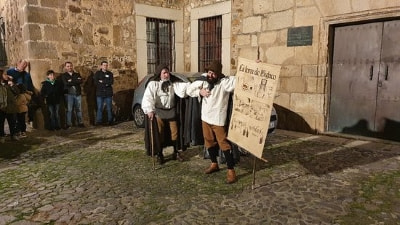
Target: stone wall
262 26
48 33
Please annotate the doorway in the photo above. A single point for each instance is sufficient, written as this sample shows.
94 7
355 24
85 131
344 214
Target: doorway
365 84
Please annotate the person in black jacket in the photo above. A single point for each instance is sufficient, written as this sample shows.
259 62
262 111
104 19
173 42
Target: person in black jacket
104 79
51 91
72 91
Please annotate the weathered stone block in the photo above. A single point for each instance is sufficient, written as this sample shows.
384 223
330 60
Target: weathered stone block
292 84
55 33
283 5
242 40
267 37
32 32
384 4
87 31
117 38
315 121
41 15
69 55
307 103
103 30
262 6
307 16
300 3
290 71
42 50
280 20
309 70
248 53
279 55
32 2
316 85
101 16
76 36
282 99
53 4
254 41
252 24
306 54
292 120
337 7
74 9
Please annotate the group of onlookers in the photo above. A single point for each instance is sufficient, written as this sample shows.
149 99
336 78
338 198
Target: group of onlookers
16 91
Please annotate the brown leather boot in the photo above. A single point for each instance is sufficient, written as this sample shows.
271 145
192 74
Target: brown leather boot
213 168
231 176
177 156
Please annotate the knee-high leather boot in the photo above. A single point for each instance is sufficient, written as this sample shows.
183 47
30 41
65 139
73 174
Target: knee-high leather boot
213 152
176 155
160 157
231 175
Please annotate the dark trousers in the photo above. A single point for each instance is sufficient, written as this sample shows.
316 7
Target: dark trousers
21 122
11 123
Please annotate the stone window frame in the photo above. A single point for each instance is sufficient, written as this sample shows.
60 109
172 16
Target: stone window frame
144 11
219 9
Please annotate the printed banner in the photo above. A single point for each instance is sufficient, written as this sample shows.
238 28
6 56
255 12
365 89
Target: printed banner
252 104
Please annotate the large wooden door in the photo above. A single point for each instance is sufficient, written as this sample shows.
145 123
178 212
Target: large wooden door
365 74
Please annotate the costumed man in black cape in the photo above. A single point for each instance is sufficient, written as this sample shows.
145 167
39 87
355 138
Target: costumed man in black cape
160 102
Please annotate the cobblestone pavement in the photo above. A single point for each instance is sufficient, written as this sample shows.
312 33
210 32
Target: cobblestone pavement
101 175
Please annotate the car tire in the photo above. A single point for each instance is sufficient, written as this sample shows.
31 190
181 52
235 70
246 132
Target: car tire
138 116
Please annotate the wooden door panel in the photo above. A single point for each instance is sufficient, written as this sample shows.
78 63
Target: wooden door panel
388 98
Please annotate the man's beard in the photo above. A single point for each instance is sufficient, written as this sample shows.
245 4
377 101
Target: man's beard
165 85
211 82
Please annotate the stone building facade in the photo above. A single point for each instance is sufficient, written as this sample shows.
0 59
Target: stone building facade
50 32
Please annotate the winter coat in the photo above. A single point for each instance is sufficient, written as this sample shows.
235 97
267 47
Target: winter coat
52 91
11 100
104 82
72 87
22 101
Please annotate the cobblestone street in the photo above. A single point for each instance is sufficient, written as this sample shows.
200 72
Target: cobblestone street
101 175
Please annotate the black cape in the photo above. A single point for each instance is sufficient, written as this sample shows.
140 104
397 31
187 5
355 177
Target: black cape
152 141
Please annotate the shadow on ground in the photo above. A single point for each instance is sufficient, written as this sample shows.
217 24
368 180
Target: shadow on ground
318 155
43 144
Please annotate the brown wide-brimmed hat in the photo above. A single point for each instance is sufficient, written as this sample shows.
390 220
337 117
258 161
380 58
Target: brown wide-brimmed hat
159 68
216 67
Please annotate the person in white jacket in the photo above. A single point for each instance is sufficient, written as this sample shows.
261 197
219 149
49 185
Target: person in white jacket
159 103
215 89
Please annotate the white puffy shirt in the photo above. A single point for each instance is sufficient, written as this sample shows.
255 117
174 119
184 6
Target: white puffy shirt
214 108
154 97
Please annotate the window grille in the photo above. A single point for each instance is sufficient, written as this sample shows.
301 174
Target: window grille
3 53
210 40
160 43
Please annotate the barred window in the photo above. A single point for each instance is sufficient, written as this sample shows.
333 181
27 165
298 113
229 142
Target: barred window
160 43
210 40
3 53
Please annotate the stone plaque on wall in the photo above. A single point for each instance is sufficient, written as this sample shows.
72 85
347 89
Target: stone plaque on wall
299 36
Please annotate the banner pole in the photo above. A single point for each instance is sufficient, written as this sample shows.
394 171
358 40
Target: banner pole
254 173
